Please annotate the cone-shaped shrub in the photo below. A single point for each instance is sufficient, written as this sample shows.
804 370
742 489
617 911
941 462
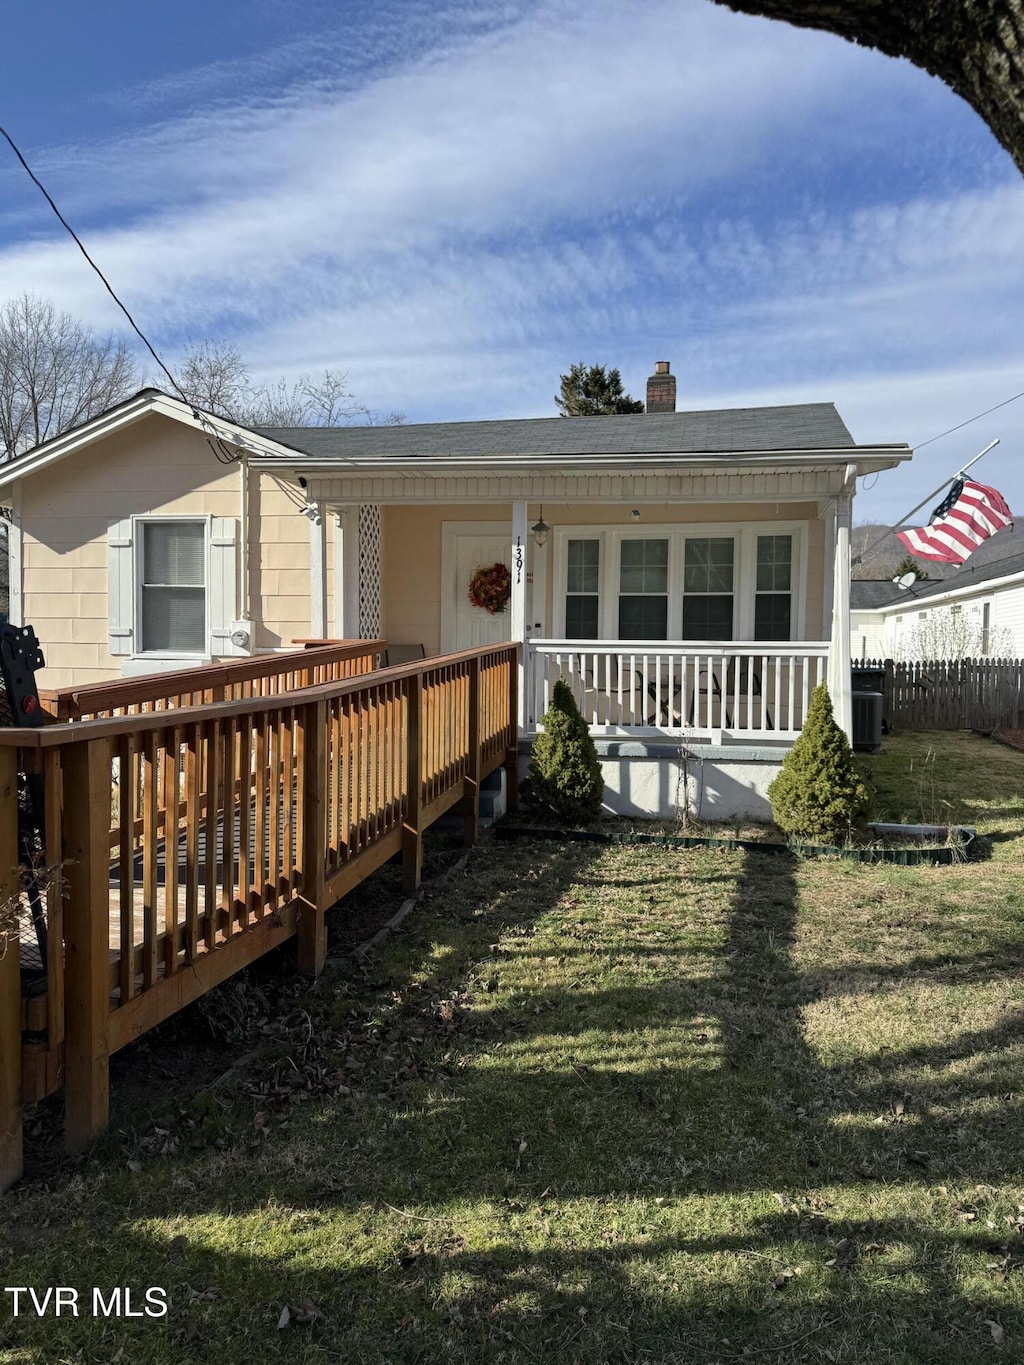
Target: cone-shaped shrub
818 794
564 780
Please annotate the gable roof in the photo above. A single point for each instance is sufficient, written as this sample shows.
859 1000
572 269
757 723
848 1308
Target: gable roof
800 426
866 593
803 433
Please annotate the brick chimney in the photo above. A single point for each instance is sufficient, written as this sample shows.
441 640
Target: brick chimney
661 389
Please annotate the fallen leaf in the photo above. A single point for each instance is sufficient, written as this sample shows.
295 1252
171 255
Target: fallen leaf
285 1319
997 1330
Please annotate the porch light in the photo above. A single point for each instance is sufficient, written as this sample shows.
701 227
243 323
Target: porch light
540 531
635 514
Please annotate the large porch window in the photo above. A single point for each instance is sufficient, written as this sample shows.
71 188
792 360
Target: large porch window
710 582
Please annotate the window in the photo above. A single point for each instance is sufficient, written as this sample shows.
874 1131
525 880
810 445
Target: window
773 596
643 590
582 585
708 588
986 627
172 596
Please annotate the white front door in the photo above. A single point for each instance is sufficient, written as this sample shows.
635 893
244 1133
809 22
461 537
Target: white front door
474 626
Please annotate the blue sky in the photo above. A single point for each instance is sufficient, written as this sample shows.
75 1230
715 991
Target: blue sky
452 203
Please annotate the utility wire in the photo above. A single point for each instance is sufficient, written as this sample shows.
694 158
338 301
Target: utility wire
216 443
961 425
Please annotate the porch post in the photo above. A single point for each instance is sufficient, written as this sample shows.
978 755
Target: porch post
839 648
346 573
317 571
517 606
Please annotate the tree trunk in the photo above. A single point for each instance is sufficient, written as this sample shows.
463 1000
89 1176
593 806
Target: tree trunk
975 46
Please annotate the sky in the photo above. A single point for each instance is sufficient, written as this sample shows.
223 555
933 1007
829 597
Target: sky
450 203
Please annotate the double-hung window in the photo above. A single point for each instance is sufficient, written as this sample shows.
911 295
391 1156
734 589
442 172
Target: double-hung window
172 587
643 590
708 589
773 596
582 589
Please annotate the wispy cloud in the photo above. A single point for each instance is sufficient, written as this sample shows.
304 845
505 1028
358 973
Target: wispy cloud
452 205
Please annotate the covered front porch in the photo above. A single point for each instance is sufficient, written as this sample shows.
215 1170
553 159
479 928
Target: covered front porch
616 600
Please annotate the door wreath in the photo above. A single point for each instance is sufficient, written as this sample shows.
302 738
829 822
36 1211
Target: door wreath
491 588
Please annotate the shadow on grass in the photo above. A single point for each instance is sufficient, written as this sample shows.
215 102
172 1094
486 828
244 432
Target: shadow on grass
531 1172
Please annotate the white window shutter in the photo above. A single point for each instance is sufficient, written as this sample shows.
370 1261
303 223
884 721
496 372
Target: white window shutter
222 589
120 588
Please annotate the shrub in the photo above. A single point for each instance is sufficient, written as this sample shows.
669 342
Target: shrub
564 778
819 794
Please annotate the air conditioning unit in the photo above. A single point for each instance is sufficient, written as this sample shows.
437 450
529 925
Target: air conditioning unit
867 721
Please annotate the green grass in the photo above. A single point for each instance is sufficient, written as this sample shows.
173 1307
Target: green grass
624 1104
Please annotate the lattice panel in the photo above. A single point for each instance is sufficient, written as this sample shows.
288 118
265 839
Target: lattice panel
370 615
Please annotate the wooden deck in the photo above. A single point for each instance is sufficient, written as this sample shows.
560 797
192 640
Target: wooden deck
299 794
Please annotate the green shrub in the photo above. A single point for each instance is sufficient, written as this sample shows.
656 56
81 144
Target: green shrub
564 780
818 794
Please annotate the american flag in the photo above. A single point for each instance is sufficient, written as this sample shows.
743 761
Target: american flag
967 515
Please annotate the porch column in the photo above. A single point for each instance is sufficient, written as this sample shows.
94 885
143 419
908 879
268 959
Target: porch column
839 648
517 606
346 573
317 571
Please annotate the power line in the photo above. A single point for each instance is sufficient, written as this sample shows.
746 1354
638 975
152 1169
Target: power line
215 442
961 425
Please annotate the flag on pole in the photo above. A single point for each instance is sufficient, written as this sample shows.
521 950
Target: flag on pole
966 516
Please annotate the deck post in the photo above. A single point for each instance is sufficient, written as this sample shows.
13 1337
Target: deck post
87 774
313 795
11 1149
471 799
412 831
512 752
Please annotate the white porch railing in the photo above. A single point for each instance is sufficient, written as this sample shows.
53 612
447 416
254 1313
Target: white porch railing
740 690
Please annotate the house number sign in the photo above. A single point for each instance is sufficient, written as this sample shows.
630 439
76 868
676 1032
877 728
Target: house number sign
517 558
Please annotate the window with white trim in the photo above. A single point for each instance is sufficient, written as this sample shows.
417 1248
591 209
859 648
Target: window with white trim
172 587
711 581
773 589
708 575
582 589
643 590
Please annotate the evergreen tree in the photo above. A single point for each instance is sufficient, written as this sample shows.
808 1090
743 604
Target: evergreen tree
593 392
818 793
908 564
564 780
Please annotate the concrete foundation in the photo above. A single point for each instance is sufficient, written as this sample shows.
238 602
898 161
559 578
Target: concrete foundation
658 779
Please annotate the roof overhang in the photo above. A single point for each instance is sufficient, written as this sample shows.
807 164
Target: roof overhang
911 603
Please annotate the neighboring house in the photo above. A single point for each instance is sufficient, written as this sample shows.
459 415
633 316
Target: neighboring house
978 611
686 571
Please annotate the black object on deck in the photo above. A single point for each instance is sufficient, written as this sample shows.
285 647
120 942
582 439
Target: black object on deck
20 657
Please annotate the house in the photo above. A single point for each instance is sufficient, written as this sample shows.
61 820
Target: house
977 611
687 572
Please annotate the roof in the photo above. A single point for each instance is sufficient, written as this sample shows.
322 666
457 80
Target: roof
799 426
868 593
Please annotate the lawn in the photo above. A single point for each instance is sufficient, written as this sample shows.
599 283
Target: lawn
623 1104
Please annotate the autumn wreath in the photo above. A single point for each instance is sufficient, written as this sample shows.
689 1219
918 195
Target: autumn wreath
491 588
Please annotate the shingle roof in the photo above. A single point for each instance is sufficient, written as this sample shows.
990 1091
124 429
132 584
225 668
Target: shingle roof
866 593
801 426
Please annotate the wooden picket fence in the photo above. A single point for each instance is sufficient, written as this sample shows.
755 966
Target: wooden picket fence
955 694
192 839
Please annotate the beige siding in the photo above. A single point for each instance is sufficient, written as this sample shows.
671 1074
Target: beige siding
156 467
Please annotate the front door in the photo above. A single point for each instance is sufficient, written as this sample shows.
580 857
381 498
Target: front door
474 626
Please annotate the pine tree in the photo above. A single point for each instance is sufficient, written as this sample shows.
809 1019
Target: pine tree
593 393
818 793
564 780
908 564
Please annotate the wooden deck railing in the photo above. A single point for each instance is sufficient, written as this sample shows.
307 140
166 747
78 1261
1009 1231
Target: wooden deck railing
195 839
264 675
